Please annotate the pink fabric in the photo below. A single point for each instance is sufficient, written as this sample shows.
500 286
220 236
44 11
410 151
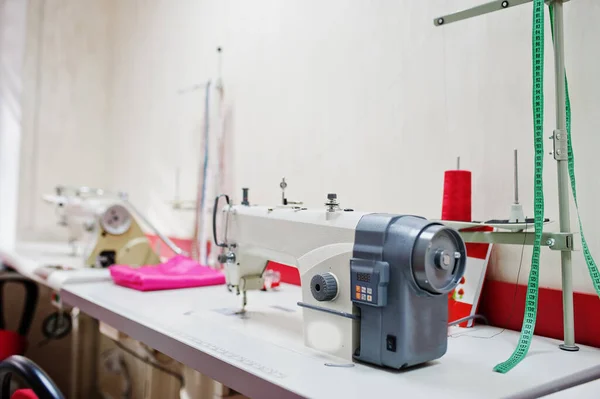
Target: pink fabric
177 272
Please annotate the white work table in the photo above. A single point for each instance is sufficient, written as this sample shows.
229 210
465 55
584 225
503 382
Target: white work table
38 261
262 355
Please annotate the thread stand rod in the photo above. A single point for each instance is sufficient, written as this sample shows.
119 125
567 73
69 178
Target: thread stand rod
516 182
563 177
559 137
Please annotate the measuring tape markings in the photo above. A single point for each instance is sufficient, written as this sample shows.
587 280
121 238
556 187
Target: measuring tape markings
531 300
538 116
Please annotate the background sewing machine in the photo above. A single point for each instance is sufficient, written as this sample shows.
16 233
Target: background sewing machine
374 286
103 227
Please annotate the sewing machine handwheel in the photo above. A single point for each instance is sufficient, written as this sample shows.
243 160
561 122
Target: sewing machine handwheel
116 220
439 259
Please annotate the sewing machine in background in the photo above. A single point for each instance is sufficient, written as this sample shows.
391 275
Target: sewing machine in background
103 227
374 286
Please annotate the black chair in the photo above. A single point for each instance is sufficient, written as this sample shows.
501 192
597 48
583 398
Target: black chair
31 298
15 342
31 374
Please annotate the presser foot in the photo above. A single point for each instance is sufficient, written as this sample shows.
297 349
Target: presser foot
242 311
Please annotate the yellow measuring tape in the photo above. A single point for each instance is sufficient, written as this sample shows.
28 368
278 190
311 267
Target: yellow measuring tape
531 300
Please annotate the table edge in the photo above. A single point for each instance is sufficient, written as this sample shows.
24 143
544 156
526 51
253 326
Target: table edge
233 377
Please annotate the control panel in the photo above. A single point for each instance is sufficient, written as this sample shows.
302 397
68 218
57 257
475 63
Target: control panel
369 280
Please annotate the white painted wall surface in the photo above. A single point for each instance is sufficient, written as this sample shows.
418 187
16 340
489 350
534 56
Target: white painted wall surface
366 99
164 49
12 47
66 99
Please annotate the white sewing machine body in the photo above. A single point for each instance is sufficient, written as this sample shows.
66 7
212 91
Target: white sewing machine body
345 263
314 241
79 215
103 228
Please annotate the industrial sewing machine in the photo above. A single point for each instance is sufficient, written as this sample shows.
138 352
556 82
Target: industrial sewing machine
374 286
103 229
77 212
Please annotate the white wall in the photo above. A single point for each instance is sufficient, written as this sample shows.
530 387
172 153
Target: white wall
164 49
66 98
366 99
12 47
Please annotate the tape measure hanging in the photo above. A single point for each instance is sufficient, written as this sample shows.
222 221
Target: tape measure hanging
538 117
531 300
589 259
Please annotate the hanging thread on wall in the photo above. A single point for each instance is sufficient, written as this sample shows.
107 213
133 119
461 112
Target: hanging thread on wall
219 161
203 183
456 204
211 172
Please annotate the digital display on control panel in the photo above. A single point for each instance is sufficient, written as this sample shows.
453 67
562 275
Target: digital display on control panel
369 280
